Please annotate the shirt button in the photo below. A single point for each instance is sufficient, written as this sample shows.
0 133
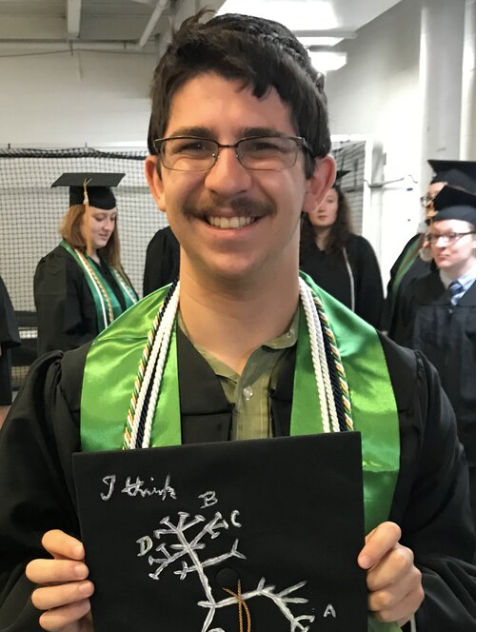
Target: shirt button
247 392
290 333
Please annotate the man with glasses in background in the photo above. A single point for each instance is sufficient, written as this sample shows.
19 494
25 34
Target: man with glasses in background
415 260
241 348
437 312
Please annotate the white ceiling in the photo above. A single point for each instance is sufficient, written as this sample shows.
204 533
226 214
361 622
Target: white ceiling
136 22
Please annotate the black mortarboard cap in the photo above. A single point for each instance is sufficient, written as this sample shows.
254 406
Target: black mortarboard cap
341 173
456 173
452 203
90 188
179 530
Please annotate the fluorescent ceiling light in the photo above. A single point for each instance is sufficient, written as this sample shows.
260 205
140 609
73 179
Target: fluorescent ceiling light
297 15
320 41
324 61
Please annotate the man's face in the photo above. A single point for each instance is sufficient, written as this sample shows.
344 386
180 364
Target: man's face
457 257
263 207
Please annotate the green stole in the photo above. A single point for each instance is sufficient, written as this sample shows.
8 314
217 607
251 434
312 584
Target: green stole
112 365
405 264
101 289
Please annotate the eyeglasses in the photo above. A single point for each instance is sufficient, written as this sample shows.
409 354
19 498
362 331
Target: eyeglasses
425 200
447 238
261 153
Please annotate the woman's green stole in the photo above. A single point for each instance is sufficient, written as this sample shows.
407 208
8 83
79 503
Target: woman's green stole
102 293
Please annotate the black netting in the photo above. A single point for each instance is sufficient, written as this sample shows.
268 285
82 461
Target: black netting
351 156
31 213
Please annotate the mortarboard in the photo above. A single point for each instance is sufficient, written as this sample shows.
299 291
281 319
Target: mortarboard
90 188
456 173
341 173
197 536
452 203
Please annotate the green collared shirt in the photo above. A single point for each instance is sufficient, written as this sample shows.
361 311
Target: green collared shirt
249 392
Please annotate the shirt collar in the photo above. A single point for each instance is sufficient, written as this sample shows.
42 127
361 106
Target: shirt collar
465 280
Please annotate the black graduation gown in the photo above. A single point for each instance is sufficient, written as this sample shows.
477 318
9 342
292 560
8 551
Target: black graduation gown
66 313
446 334
162 261
430 501
330 272
9 338
417 269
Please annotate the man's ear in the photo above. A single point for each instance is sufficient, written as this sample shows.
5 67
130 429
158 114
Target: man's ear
321 181
155 182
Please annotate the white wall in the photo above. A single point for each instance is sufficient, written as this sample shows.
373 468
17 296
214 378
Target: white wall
72 99
377 93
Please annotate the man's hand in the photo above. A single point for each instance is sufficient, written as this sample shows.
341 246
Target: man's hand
64 590
394 583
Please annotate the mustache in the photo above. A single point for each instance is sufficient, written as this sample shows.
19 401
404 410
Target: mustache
242 206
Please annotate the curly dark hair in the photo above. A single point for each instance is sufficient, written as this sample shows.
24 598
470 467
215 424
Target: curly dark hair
261 53
339 232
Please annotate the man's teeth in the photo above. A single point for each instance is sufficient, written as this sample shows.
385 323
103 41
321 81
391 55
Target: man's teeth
230 222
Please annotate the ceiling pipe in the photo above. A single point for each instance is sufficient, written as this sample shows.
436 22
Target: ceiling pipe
156 14
20 47
327 33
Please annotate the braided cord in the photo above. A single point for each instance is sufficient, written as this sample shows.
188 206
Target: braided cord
344 392
100 288
133 418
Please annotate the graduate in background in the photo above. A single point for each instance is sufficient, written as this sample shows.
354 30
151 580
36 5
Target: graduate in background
415 260
340 262
437 312
9 337
80 287
162 261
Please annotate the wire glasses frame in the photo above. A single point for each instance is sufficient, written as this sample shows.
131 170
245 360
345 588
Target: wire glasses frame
426 200
447 239
259 153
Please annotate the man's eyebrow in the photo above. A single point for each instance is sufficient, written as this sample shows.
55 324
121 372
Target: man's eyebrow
262 131
207 132
201 132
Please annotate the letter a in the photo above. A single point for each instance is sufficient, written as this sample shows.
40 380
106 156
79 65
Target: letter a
329 611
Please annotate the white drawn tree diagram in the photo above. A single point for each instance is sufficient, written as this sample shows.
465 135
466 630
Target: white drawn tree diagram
187 552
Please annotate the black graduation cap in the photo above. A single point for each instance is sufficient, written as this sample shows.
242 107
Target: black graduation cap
90 188
452 203
456 173
196 536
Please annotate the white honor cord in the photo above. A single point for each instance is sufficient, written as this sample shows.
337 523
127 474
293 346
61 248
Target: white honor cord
164 331
320 363
161 345
170 318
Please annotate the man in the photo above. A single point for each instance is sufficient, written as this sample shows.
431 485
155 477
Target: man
239 143
437 313
415 259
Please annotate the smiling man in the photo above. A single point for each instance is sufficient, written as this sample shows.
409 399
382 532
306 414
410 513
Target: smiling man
240 347
438 312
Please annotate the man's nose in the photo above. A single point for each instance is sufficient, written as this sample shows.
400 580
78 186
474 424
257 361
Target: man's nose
228 176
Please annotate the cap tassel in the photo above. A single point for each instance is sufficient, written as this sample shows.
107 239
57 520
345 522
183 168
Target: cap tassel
242 606
86 195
